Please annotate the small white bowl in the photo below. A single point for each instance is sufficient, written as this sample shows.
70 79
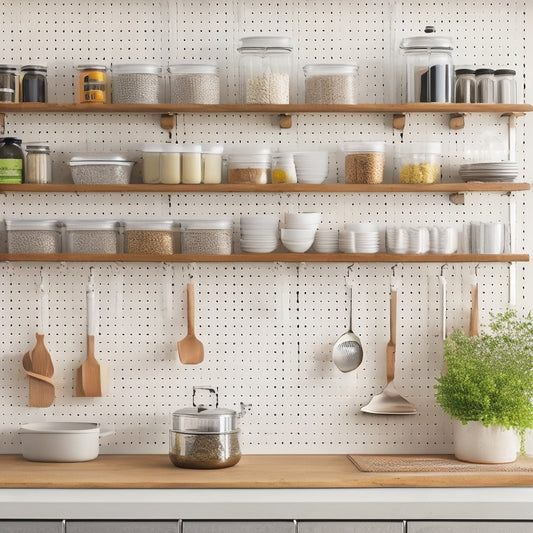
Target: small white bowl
297 234
302 218
299 246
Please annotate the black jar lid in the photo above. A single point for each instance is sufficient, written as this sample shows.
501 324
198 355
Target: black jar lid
10 140
460 71
28 68
505 72
481 71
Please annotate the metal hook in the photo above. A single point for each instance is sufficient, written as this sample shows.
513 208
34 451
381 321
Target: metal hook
393 268
442 269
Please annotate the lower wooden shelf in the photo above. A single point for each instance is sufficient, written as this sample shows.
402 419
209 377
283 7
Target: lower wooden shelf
284 257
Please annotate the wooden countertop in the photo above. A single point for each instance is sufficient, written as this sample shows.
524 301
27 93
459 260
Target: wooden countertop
253 471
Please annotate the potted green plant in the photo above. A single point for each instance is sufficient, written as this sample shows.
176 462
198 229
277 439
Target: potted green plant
487 388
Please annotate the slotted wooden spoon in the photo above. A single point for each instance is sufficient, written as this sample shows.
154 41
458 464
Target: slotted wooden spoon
190 349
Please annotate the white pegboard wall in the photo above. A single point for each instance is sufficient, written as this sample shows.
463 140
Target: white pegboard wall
268 329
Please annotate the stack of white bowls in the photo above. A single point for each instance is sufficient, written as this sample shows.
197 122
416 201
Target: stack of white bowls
298 231
408 240
443 240
259 233
360 238
311 167
326 241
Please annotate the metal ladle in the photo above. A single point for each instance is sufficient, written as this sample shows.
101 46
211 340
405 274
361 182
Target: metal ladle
347 352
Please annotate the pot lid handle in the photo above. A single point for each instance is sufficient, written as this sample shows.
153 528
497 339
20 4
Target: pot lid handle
211 390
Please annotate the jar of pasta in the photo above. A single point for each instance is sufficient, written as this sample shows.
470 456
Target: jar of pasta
418 162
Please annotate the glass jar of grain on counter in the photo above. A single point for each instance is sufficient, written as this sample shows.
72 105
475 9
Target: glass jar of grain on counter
364 161
149 237
418 162
38 167
330 84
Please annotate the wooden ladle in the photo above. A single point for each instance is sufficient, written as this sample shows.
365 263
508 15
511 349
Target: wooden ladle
190 349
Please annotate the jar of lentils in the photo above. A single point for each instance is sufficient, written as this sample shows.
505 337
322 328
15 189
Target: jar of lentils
91 236
364 161
330 84
194 84
135 84
206 237
33 236
149 237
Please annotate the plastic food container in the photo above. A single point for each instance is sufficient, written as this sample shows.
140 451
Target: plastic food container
101 169
265 67
191 163
135 84
283 168
33 236
364 161
205 437
206 237
91 236
212 163
61 442
252 166
162 163
194 84
330 84
149 237
418 162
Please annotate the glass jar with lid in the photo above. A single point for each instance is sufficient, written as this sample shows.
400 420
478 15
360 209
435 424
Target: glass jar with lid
38 168
418 162
428 68
505 86
197 83
92 86
135 83
11 160
34 84
465 85
330 84
8 83
265 69
485 86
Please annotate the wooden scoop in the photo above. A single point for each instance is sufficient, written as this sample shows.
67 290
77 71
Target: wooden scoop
473 329
90 369
190 349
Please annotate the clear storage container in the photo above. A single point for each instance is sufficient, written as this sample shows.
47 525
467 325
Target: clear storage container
149 237
505 86
33 236
38 167
428 74
194 84
212 163
364 161
485 86
92 84
465 85
265 69
283 168
135 84
330 84
91 236
34 83
101 168
8 83
191 163
162 163
418 162
206 237
252 166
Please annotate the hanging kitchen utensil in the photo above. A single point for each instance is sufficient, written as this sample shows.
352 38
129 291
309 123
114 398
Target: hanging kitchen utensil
190 349
390 402
37 362
443 285
90 373
473 328
347 352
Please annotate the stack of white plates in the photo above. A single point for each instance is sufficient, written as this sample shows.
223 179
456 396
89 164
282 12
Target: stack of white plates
497 171
408 240
443 240
347 241
259 233
326 241
366 237
311 167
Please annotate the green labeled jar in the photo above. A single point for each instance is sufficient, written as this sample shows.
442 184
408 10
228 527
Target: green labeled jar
11 160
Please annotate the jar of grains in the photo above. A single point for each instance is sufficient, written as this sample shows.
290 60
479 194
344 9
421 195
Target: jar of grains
38 168
194 84
92 84
8 83
330 84
135 84
212 163
91 236
33 236
206 237
149 237
265 68
364 161
418 162
249 167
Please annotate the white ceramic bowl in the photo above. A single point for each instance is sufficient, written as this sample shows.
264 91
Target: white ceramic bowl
61 442
297 234
295 219
298 246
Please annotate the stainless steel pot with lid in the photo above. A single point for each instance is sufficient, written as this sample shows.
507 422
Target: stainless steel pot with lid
205 437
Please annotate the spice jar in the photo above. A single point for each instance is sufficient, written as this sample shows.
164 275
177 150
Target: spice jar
34 85
11 160
135 84
505 86
428 69
38 167
465 85
194 84
92 84
418 162
8 83
485 85
330 84
206 237
265 68
205 437
364 161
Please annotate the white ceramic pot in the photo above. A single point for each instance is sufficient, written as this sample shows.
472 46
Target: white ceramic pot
61 442
475 443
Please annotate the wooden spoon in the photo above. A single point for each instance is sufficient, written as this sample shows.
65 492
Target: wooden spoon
473 329
190 349
90 369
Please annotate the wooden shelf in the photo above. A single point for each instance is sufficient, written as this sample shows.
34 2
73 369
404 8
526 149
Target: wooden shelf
272 188
282 257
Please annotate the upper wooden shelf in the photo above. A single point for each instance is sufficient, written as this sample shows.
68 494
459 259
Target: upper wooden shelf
450 188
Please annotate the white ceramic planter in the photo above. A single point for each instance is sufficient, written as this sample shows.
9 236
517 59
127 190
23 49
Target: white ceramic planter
475 443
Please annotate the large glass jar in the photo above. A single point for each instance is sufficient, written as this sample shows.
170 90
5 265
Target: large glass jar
194 84
428 68
8 83
418 162
34 84
38 168
11 160
265 69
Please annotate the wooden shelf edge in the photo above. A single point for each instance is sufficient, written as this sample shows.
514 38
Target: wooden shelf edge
271 188
281 257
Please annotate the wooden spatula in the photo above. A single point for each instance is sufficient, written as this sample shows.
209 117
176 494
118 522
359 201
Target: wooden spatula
190 349
473 329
